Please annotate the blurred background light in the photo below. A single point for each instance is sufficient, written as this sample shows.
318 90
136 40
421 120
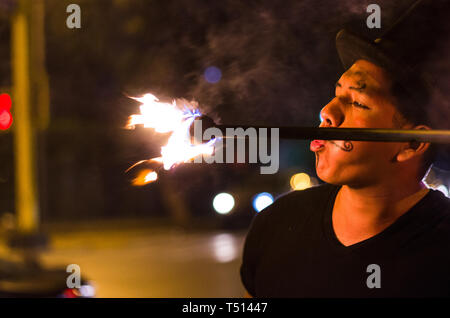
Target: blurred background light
87 290
262 200
5 114
300 181
5 101
212 74
223 203
225 248
5 119
443 189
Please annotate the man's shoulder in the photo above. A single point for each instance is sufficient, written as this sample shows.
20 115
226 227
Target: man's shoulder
296 202
441 207
433 221
312 194
293 208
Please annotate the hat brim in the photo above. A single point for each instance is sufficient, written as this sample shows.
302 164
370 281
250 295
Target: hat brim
352 48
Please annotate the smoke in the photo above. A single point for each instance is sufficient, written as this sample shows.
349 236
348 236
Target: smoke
268 57
278 61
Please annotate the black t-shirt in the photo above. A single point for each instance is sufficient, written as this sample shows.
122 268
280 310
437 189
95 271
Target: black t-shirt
291 250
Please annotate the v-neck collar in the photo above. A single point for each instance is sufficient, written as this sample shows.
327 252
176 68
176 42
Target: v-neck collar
386 238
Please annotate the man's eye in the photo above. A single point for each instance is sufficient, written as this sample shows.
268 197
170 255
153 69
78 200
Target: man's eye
360 105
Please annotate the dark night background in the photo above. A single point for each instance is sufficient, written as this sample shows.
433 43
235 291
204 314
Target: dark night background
278 63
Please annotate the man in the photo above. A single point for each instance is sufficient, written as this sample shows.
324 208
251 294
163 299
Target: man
373 229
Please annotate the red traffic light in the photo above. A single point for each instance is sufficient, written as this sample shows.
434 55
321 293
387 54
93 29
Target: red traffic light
5 115
5 119
5 102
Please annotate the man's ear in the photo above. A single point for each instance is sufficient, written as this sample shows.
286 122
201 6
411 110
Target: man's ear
413 149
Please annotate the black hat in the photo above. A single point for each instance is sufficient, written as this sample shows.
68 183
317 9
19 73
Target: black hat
407 50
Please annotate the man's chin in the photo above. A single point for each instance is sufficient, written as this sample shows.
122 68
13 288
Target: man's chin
323 175
325 179
331 177
340 179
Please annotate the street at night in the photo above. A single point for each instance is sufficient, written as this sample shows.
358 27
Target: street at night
152 262
224 149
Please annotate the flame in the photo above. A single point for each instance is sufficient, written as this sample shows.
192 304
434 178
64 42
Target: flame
145 177
163 117
170 118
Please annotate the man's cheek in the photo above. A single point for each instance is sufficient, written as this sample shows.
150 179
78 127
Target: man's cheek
351 152
345 145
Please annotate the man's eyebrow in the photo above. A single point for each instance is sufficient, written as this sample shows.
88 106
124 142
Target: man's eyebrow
360 88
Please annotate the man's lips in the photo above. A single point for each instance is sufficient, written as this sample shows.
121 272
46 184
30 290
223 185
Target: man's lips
316 145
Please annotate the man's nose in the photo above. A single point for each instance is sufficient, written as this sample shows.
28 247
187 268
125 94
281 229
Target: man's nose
332 114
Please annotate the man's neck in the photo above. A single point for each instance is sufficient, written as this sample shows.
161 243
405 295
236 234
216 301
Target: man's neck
360 213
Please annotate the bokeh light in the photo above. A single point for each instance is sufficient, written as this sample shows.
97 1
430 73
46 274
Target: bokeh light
443 189
224 248
212 74
300 181
262 200
5 114
87 290
5 119
223 203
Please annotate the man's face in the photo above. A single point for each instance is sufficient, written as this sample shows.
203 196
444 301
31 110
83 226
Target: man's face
363 100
